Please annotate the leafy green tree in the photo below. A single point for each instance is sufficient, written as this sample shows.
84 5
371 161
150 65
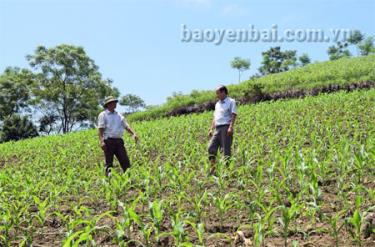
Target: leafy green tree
15 87
364 46
132 102
304 59
48 123
16 128
241 65
338 51
69 85
367 46
355 37
275 60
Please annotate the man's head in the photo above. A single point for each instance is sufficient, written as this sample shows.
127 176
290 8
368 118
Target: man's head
221 92
110 103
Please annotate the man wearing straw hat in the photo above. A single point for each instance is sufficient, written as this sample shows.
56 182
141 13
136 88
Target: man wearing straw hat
111 127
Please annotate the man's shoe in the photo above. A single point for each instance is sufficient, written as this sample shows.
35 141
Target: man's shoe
108 172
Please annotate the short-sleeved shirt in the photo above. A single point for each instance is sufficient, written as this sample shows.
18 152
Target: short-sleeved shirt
224 110
113 124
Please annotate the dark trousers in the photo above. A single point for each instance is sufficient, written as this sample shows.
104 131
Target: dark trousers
115 146
220 139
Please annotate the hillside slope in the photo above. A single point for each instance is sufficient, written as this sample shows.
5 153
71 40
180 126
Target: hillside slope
309 159
329 76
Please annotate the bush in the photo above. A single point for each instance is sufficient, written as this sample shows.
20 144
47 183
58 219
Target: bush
16 128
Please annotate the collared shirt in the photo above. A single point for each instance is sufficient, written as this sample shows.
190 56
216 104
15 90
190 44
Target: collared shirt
224 110
113 124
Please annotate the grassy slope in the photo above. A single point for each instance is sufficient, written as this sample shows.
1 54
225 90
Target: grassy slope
278 147
343 71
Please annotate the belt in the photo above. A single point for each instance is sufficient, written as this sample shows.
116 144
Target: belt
222 125
113 138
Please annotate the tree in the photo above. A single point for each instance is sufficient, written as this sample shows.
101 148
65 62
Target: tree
355 37
275 60
363 46
367 47
304 59
16 128
132 102
241 65
338 51
69 85
47 123
15 87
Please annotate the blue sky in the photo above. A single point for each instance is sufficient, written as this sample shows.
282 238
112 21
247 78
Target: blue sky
137 43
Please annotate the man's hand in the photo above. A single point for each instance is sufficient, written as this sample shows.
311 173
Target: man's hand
210 133
230 131
135 137
102 145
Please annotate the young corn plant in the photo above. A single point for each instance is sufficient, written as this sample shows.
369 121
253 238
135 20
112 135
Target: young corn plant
157 215
258 237
335 226
221 182
222 204
268 219
5 227
128 223
354 222
199 202
26 241
314 209
43 207
181 197
80 213
118 184
146 231
19 211
360 163
87 233
110 195
199 231
129 218
287 216
178 230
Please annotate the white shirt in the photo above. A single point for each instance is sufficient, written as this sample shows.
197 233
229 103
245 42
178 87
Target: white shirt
224 110
113 124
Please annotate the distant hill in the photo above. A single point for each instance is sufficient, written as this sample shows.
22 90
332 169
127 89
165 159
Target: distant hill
321 77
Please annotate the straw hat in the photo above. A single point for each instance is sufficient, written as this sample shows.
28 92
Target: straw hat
109 99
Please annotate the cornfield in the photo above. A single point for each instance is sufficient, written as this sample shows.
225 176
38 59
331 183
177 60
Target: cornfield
302 172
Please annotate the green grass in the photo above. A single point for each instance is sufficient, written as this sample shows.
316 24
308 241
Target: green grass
343 71
298 167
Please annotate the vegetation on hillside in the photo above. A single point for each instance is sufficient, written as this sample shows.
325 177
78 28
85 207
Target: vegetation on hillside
339 72
302 173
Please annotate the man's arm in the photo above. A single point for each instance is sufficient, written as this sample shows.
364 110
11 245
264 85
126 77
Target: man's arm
233 110
231 124
101 138
212 127
129 129
132 132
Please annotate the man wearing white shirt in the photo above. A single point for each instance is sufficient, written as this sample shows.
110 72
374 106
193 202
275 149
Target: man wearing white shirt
111 127
221 131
